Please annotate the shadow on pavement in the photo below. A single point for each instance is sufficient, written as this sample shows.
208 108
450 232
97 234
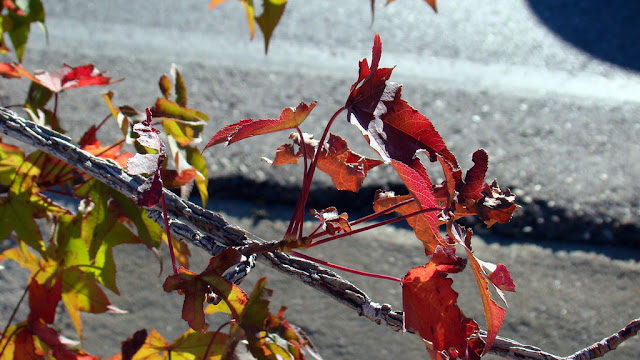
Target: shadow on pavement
608 30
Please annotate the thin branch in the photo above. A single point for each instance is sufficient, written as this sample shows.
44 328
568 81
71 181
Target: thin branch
211 232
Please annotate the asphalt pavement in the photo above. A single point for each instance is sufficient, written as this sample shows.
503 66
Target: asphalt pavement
550 89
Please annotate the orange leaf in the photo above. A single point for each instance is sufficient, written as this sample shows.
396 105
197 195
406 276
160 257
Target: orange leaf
8 71
346 168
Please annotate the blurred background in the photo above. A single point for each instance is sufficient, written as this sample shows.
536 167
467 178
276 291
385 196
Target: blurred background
549 88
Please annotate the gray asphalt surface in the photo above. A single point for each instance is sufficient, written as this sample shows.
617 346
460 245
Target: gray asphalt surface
557 117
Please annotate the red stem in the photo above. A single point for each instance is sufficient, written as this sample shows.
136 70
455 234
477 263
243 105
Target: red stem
167 229
295 225
206 353
372 226
353 271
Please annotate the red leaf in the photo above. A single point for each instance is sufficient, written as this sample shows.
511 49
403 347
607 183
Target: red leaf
289 119
393 128
131 346
431 310
67 77
57 347
419 184
332 222
24 346
501 278
44 299
474 180
494 313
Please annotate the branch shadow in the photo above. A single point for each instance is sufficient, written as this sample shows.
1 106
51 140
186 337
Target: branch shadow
608 30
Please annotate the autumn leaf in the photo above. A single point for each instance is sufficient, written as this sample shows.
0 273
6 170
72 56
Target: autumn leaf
81 293
150 191
17 23
346 168
331 221
8 71
474 179
272 11
431 310
131 346
67 77
196 286
496 206
44 299
392 127
419 185
494 313
289 118
53 340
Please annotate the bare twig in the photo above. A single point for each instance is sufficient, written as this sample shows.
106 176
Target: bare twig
211 232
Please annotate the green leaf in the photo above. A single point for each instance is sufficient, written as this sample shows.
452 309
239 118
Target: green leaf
10 159
181 89
193 345
18 214
268 20
165 108
195 159
81 293
37 97
19 35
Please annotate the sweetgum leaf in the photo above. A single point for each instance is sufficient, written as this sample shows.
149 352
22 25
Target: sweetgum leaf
268 20
150 192
332 222
474 179
196 286
194 345
346 168
81 292
67 77
496 206
392 127
419 184
501 278
431 310
494 313
289 118
131 346
44 299
18 213
152 349
8 71
420 224
57 347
